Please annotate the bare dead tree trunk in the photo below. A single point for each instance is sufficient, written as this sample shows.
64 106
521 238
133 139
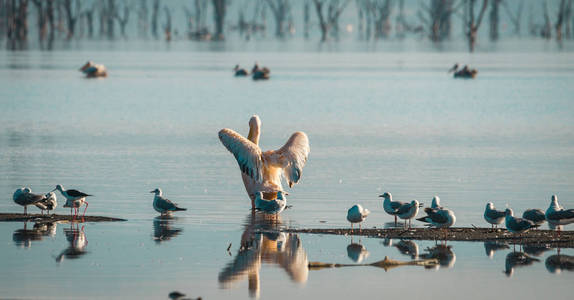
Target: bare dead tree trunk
143 13
306 17
123 19
154 17
219 10
89 17
42 22
110 18
439 18
381 12
494 19
167 25
560 20
280 10
547 28
102 17
71 16
515 19
3 21
334 11
472 26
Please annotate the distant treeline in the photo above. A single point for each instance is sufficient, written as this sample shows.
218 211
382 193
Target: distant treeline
208 20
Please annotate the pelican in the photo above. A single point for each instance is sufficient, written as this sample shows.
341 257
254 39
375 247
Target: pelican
557 215
74 199
163 205
240 71
408 211
391 207
517 225
357 214
535 215
93 70
49 203
493 216
270 207
25 197
261 171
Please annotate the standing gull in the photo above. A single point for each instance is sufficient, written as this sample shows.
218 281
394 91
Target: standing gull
493 216
408 211
270 207
535 215
25 197
262 171
163 205
557 215
49 203
74 199
357 214
517 225
391 207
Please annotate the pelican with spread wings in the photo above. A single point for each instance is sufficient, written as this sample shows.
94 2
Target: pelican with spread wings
261 171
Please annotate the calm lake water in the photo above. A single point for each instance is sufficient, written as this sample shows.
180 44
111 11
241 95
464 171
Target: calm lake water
377 121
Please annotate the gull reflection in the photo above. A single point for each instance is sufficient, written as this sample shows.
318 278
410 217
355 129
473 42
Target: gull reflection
357 252
77 243
536 250
260 243
559 262
23 237
408 248
444 254
47 229
491 246
162 229
517 259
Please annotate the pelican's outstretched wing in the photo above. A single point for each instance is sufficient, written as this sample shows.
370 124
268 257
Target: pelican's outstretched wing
248 154
295 153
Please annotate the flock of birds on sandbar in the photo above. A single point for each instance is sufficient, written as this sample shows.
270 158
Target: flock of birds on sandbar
262 173
440 217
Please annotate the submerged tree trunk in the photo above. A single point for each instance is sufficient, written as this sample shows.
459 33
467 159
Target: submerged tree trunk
219 9
494 19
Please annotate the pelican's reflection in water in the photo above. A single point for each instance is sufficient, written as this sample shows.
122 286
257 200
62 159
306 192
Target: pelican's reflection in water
77 243
491 246
357 252
517 259
24 237
444 254
163 230
262 243
559 262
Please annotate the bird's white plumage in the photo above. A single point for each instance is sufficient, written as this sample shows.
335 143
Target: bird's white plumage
557 215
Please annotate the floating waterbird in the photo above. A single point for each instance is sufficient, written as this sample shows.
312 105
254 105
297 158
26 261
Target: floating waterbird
240 71
49 203
258 73
517 225
535 215
270 207
391 207
465 72
408 211
25 197
74 199
94 70
357 214
163 205
557 215
493 216
261 171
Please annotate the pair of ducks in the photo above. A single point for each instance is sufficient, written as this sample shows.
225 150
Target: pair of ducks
74 199
257 73
465 72
437 216
555 215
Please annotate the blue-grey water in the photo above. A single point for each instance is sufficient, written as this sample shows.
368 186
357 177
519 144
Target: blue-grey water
377 121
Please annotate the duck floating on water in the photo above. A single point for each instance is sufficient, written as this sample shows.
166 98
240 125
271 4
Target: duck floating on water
258 73
92 70
465 72
240 72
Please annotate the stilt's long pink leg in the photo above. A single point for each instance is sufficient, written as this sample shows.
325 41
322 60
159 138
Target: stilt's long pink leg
85 208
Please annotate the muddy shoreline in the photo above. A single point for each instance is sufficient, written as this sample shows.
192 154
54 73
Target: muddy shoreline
38 218
535 237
